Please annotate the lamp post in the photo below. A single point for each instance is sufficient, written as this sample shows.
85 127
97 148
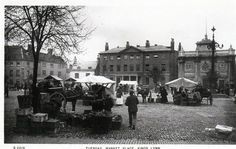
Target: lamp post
213 74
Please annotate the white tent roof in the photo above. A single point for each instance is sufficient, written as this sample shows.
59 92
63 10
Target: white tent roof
53 77
70 79
129 82
181 82
95 79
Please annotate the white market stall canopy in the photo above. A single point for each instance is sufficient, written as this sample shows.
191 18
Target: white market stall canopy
91 79
129 82
71 79
133 84
182 82
53 77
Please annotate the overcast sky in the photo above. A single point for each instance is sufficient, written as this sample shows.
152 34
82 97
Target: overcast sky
158 21
155 20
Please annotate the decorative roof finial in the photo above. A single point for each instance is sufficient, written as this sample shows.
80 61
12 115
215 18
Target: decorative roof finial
206 29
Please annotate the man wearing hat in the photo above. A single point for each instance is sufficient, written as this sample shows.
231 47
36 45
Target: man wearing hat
132 102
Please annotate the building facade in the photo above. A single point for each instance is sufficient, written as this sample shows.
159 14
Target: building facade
19 65
83 69
134 63
196 64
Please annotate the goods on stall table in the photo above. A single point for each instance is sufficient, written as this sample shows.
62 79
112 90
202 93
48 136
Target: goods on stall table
116 122
22 124
39 117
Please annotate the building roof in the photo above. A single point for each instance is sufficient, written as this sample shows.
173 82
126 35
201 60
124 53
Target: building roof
204 41
53 77
18 53
87 64
141 48
84 66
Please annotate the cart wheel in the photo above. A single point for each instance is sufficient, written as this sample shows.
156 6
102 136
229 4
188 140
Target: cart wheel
58 98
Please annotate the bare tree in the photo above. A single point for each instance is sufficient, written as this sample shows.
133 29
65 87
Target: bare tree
156 75
58 27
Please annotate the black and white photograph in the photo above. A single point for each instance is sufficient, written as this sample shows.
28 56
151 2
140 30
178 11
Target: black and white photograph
141 74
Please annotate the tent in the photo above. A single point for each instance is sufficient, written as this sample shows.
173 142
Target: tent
91 79
101 80
71 79
134 84
53 77
182 82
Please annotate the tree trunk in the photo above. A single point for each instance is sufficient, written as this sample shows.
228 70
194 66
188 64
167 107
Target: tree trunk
35 91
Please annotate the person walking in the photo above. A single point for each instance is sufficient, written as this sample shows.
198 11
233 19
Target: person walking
164 95
132 102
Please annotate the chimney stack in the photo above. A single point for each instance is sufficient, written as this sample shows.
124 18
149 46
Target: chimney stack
127 44
50 51
172 44
180 46
106 46
147 43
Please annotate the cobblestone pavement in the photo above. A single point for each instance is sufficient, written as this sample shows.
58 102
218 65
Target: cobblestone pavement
156 124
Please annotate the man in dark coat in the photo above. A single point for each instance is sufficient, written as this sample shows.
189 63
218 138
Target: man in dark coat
163 95
132 102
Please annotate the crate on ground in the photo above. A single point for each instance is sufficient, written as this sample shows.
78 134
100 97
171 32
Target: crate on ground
116 122
52 125
24 101
25 111
22 121
37 127
39 117
21 130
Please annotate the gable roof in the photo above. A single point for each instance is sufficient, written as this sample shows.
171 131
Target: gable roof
141 48
53 77
18 53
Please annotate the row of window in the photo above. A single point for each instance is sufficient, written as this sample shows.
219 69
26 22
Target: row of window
129 57
11 63
11 73
44 73
131 67
77 75
205 66
52 65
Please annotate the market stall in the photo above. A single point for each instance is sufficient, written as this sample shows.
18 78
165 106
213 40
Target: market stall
101 90
184 93
182 82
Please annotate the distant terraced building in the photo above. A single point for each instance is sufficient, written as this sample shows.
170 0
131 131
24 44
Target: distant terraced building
19 65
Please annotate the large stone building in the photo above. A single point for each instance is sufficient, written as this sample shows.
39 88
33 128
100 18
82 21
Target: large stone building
19 65
196 64
82 69
134 63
